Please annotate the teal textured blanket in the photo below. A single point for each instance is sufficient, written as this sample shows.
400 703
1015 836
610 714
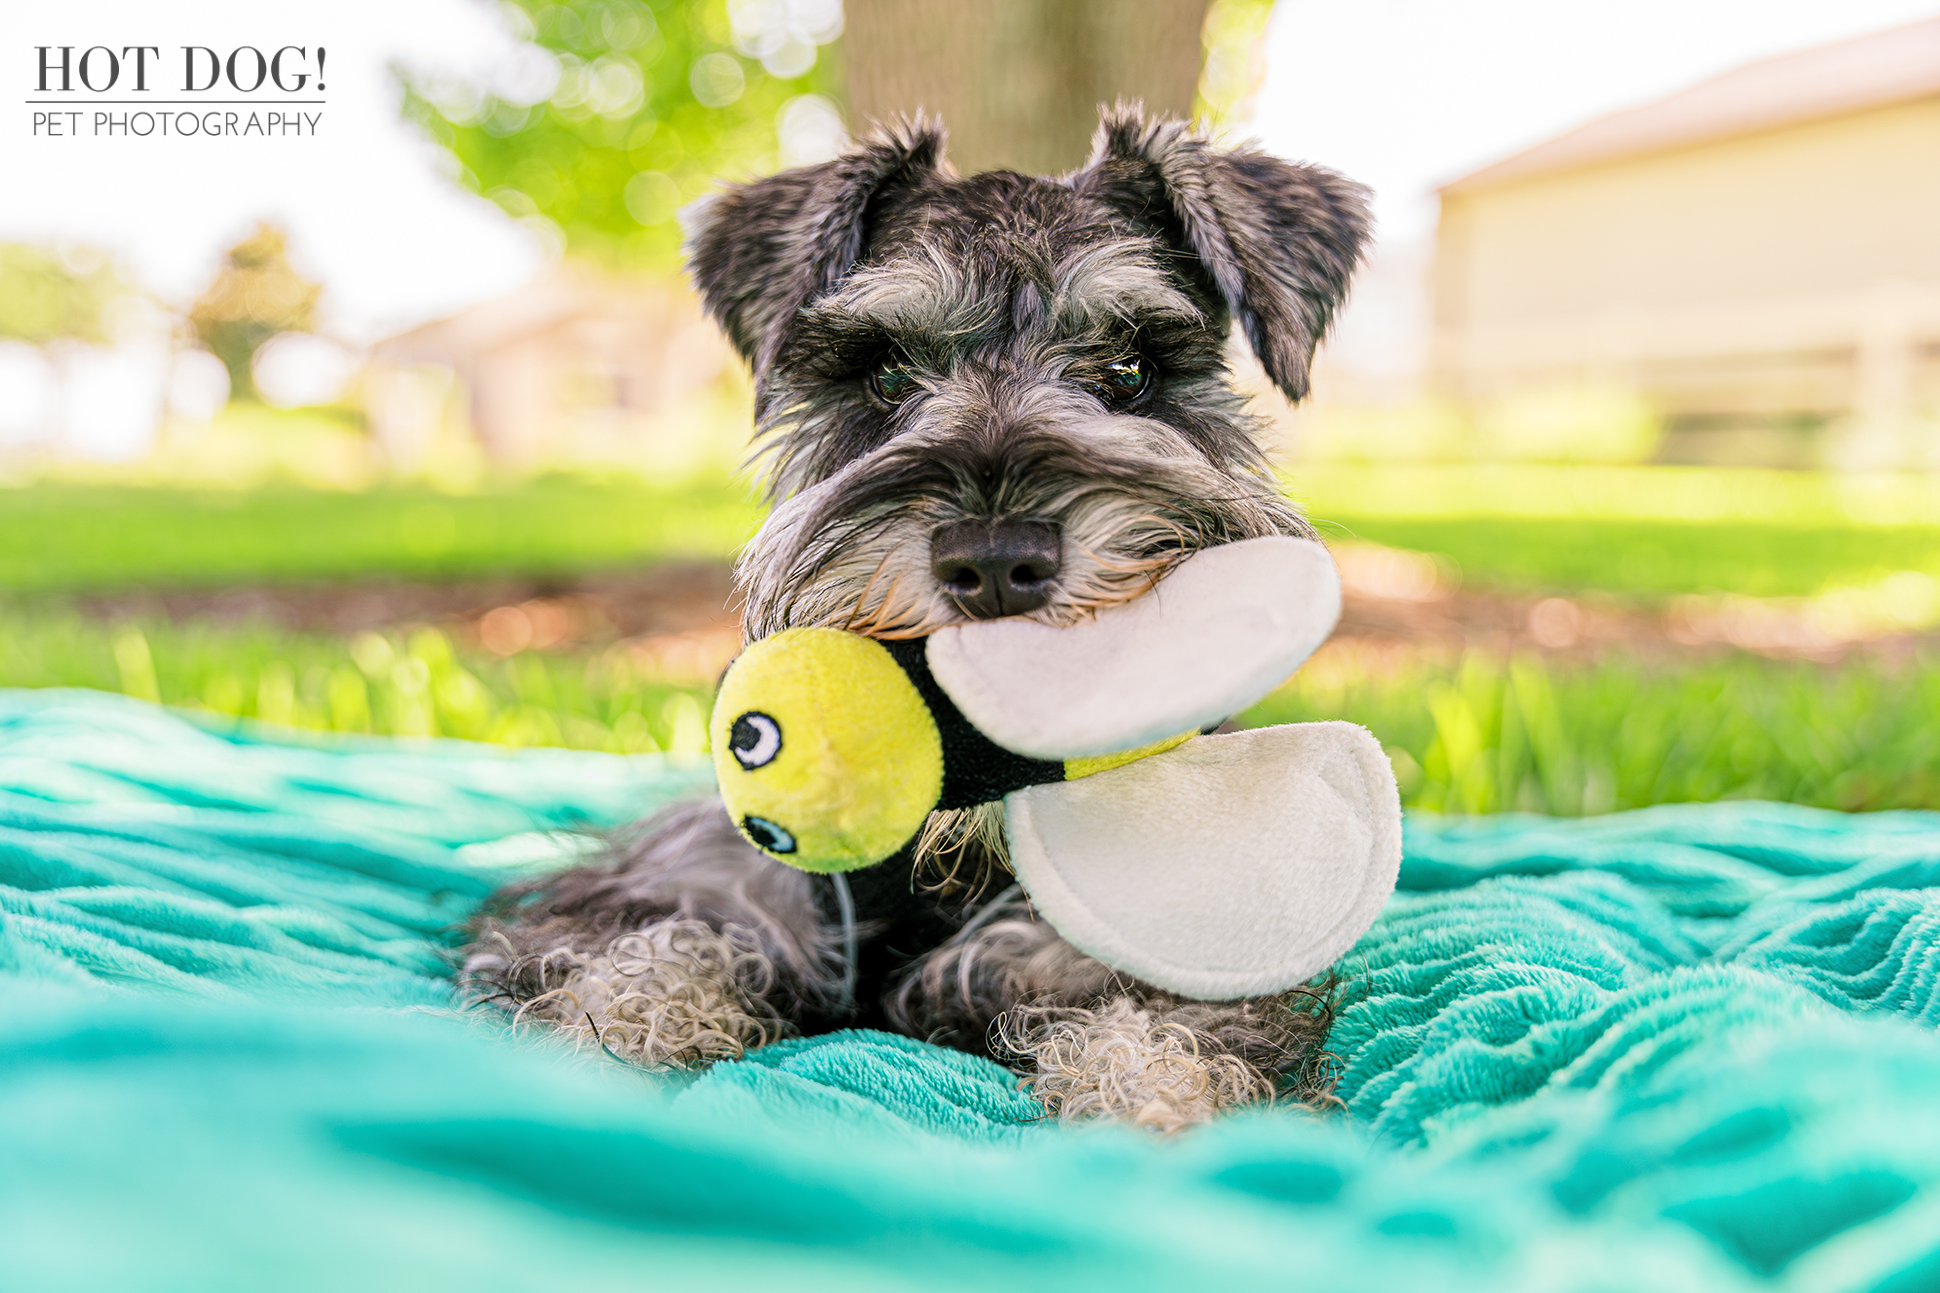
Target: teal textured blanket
1686 1048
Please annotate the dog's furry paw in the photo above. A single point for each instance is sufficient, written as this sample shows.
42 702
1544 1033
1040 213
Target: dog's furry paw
676 994
1125 1061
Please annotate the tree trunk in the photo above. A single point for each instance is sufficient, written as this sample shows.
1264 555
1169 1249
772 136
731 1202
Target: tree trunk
1019 82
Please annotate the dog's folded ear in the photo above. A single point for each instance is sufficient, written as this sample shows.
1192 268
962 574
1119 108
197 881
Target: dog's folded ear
760 251
1277 241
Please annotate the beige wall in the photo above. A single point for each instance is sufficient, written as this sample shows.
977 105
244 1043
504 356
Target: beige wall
1797 267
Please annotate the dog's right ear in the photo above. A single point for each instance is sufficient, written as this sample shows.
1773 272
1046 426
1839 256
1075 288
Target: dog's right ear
760 251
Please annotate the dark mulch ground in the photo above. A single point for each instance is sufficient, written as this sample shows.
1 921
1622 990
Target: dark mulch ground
678 597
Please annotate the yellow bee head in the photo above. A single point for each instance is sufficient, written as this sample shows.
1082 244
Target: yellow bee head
827 757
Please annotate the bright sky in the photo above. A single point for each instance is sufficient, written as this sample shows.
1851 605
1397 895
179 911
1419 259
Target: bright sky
1398 93
393 241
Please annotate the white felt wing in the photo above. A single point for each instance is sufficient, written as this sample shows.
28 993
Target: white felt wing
1225 627
1230 867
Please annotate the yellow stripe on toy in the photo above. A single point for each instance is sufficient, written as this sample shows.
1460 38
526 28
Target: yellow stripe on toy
826 755
1089 767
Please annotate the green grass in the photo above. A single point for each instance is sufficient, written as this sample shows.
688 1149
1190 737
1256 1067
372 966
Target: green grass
1421 490
1487 735
1649 560
57 536
1479 734
70 537
1476 735
1642 533
416 684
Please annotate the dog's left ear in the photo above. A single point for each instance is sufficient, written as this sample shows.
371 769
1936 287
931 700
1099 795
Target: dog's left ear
1276 240
760 251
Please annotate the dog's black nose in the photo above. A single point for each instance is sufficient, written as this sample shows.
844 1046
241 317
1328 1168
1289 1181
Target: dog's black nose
993 568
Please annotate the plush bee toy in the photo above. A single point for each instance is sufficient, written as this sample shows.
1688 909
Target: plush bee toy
1215 866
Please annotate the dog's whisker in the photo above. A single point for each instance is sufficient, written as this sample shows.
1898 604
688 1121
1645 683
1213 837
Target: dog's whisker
862 596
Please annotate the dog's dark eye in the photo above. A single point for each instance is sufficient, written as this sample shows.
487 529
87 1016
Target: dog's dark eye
1125 379
892 381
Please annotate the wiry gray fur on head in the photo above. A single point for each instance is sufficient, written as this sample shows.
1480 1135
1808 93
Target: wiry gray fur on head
853 551
1007 297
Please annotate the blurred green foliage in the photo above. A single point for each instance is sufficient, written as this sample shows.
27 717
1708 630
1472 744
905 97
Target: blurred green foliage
616 112
1481 734
47 296
75 537
256 295
1235 46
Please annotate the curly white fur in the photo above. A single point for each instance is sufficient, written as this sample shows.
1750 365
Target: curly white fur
678 993
1126 1061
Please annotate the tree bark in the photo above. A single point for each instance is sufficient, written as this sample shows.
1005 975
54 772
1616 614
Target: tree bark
1019 82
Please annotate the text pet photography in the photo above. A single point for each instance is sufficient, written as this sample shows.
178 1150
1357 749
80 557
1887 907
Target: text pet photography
77 83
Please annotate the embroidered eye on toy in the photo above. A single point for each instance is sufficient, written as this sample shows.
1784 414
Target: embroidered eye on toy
1217 866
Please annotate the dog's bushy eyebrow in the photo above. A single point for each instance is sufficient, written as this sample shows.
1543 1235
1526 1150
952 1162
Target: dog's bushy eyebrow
1114 285
918 298
930 301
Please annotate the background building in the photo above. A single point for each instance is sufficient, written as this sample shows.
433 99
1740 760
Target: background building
573 365
1757 257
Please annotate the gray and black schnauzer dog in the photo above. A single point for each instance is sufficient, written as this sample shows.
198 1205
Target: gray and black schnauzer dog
977 396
